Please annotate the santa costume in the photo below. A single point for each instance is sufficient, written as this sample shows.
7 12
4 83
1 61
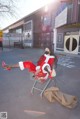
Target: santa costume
45 60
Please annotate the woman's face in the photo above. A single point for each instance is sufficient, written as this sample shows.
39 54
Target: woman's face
47 51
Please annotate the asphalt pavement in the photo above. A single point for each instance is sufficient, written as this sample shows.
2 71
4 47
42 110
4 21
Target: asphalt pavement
15 86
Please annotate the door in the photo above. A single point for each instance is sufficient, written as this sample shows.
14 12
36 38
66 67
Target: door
71 44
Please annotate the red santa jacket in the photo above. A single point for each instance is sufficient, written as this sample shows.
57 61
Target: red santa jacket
44 60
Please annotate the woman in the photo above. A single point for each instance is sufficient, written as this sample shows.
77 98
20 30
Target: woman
42 70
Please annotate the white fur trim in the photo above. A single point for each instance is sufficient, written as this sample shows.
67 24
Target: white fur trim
48 57
37 67
45 66
21 65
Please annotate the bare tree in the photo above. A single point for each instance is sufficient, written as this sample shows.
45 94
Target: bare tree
7 7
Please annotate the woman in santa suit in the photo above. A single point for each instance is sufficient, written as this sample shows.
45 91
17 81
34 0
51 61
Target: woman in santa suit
44 67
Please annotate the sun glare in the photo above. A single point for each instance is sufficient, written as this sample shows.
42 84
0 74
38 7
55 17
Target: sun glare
39 4
49 1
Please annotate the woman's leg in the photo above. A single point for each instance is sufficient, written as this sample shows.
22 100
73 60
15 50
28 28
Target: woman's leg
8 67
27 64
22 65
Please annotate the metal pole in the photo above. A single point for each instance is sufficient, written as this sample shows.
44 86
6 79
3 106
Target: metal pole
9 42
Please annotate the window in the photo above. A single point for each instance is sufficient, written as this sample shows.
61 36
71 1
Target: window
60 38
78 2
62 6
28 25
18 30
47 20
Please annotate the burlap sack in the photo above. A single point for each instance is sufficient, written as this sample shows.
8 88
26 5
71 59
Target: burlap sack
54 94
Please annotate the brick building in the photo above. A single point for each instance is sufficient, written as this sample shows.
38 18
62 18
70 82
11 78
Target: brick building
56 24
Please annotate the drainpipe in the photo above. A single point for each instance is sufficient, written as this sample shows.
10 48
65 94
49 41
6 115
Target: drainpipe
55 38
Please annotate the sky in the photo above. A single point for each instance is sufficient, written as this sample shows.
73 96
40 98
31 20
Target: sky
23 8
